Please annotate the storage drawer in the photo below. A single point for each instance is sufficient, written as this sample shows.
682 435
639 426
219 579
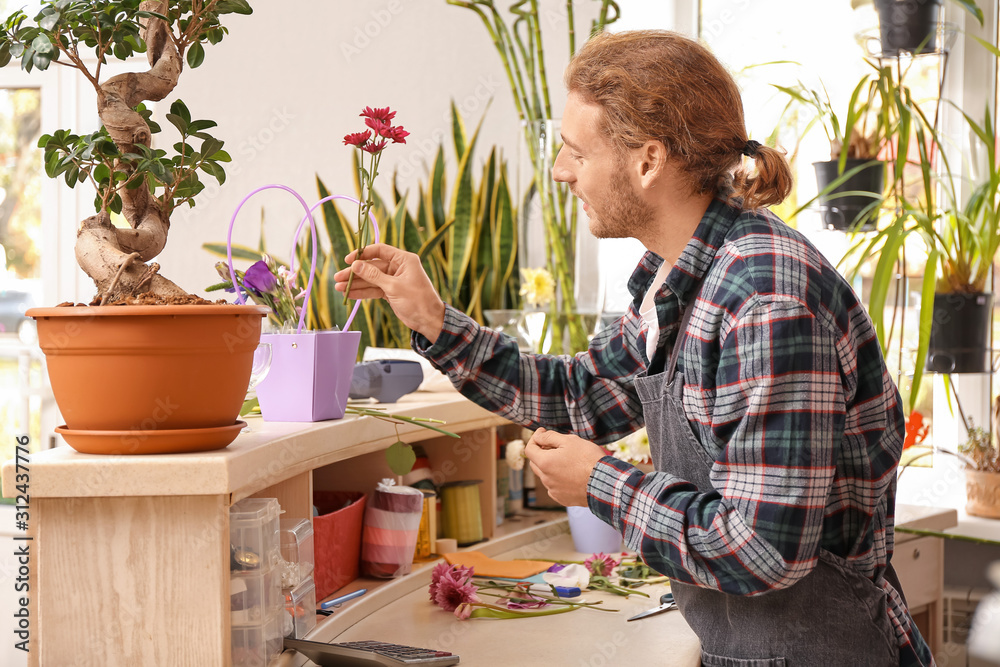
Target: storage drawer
919 564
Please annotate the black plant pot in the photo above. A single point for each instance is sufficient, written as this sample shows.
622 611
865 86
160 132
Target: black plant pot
908 25
960 333
841 212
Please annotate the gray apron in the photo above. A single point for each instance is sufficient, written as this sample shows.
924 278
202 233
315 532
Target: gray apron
833 616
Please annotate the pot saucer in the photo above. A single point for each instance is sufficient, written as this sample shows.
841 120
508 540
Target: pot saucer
167 441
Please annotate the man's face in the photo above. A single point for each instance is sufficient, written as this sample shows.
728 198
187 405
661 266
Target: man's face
598 175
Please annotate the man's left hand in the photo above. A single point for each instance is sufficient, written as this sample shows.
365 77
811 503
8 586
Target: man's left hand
563 463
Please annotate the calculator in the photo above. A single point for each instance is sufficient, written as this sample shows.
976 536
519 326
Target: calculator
369 654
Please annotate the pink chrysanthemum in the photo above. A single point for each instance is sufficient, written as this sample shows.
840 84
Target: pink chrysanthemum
600 564
436 574
454 589
357 138
383 114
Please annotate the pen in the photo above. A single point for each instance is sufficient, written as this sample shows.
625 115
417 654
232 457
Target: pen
336 602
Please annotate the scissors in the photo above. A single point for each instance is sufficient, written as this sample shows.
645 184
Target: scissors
666 604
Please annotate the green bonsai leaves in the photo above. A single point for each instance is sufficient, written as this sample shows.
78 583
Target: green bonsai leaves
173 179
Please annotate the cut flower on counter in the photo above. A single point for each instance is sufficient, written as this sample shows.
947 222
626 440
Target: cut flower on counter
454 589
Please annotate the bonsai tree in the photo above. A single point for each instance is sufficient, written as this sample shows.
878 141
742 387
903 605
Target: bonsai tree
133 179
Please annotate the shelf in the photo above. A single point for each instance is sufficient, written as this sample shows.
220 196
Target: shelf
268 454
530 525
542 526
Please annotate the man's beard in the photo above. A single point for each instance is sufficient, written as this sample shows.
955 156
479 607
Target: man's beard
623 214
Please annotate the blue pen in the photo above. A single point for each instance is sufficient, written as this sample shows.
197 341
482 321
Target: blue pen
336 602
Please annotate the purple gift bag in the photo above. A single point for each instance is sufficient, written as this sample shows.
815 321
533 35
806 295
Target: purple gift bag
310 373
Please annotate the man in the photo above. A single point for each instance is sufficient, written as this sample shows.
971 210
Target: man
774 425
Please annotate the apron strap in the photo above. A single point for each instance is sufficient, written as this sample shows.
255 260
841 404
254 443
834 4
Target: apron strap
676 351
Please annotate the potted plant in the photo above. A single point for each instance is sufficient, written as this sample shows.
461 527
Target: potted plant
982 472
961 236
175 368
911 25
551 234
852 181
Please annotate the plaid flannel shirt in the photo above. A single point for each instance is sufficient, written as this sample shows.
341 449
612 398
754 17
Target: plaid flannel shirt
784 381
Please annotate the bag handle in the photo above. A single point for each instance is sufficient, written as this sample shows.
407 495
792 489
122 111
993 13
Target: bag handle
312 226
295 240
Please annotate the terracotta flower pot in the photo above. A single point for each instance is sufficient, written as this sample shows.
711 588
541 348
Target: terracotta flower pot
982 491
128 369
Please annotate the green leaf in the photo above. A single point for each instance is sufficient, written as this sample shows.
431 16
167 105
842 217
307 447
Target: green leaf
239 251
457 130
463 212
201 125
215 170
196 55
102 173
971 7
400 457
926 322
179 108
210 146
234 7
250 405
436 190
178 122
43 45
49 20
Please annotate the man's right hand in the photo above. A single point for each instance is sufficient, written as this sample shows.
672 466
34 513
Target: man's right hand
386 272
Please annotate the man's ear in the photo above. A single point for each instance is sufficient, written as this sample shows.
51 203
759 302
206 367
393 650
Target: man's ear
651 161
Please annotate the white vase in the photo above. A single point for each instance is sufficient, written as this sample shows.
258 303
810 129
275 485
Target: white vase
590 534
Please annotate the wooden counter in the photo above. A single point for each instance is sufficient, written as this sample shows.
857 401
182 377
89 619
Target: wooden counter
581 637
130 554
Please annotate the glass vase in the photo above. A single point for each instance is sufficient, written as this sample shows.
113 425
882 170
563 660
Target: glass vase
512 323
554 236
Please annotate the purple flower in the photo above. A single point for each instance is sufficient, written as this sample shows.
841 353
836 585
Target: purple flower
259 279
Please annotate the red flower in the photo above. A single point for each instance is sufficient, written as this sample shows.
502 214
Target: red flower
381 128
397 134
357 138
383 114
372 147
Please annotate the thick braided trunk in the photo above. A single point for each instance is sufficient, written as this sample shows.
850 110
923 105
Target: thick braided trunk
118 259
